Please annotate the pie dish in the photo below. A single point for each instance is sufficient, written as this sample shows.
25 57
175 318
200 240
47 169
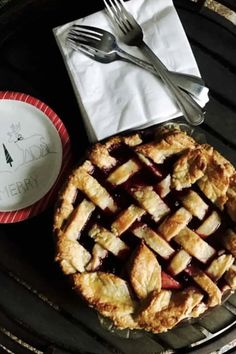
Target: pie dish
145 229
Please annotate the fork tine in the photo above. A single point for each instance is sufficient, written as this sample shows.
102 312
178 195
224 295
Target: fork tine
83 40
77 32
81 48
115 20
129 17
119 8
111 13
90 52
85 28
121 13
82 37
91 29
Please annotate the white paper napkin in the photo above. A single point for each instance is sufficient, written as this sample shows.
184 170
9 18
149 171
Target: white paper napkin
120 96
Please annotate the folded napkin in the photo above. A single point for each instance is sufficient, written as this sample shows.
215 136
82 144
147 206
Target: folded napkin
120 96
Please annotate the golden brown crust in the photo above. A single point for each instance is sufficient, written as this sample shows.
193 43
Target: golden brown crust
230 276
126 219
113 203
179 262
210 225
98 255
221 160
179 307
231 194
100 157
163 187
215 182
194 204
198 310
158 301
108 240
173 224
194 245
229 241
150 201
219 266
122 173
171 144
154 241
189 168
65 204
109 294
132 140
72 256
145 272
78 218
205 282
94 190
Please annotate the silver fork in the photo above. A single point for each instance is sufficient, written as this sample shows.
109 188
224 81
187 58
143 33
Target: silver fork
131 34
102 46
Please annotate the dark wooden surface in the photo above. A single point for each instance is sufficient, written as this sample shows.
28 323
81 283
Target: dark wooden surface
37 305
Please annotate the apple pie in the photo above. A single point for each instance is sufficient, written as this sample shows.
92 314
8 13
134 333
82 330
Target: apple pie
146 229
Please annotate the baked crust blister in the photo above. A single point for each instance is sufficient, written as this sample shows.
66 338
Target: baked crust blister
145 228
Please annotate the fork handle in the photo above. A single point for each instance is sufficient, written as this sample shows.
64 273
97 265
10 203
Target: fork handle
190 83
191 110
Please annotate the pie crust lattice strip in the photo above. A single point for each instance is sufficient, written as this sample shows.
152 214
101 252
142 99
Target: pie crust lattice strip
145 228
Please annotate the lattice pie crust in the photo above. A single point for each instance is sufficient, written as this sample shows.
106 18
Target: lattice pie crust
146 229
